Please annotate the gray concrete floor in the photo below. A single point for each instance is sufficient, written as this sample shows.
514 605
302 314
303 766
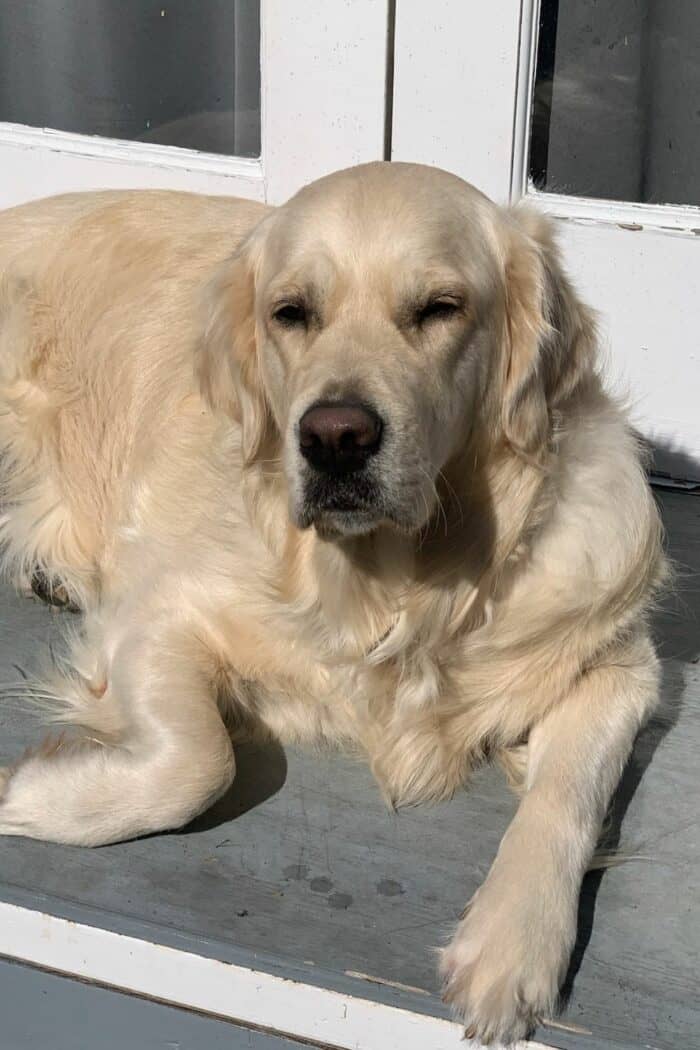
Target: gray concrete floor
302 869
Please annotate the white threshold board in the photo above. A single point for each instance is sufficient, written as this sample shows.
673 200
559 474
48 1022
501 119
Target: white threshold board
281 1005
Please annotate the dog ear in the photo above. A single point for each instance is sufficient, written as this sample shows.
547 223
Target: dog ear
550 335
226 358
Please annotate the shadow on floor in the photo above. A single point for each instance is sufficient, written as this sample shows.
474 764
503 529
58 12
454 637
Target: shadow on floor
261 770
669 461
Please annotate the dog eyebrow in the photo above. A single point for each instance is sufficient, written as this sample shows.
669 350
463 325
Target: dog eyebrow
433 282
451 294
289 295
287 290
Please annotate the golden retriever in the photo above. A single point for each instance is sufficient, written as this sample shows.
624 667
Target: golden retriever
339 471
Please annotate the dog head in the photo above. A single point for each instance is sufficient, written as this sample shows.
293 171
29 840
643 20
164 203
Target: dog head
377 326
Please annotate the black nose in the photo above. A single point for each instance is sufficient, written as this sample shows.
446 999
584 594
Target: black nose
339 437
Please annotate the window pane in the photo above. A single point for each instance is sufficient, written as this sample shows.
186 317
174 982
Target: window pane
616 109
178 72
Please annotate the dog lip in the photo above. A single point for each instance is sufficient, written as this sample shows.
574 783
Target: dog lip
339 515
342 504
345 523
316 512
345 495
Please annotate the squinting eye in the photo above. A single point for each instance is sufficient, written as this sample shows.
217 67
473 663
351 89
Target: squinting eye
437 309
290 314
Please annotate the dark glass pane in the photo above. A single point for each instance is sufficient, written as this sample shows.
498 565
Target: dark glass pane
616 110
178 72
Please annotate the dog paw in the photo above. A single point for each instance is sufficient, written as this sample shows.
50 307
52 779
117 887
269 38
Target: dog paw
502 969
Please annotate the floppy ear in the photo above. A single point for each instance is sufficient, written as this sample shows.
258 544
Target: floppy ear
550 335
226 360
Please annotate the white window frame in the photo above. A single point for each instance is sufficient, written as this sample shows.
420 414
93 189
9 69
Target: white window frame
322 107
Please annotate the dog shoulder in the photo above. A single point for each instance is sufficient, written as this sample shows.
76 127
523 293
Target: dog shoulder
605 532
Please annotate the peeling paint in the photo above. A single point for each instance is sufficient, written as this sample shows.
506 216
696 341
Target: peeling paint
575 1029
385 981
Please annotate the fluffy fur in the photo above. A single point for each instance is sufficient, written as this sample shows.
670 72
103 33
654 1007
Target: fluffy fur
489 603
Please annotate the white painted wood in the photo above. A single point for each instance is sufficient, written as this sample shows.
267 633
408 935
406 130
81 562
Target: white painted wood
664 218
40 162
455 71
322 108
148 153
645 285
324 75
524 87
253 997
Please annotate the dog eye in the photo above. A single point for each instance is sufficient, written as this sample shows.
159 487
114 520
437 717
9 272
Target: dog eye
290 314
438 310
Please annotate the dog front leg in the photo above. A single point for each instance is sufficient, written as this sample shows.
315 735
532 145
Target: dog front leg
509 954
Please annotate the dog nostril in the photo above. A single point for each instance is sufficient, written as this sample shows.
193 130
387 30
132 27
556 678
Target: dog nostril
338 437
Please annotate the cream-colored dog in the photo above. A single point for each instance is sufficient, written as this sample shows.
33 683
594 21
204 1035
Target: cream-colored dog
342 470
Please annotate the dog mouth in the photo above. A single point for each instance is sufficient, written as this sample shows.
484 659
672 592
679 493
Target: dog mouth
357 507
350 506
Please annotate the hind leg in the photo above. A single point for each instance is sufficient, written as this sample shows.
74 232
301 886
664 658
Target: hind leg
153 752
43 551
52 516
